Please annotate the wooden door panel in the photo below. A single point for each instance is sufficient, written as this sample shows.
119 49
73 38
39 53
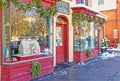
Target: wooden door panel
60 51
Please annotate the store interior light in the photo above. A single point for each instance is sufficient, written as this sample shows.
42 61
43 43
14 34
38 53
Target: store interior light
29 19
14 38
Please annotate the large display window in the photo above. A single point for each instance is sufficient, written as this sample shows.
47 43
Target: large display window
85 36
96 37
26 33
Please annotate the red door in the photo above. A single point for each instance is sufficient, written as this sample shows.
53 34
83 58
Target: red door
61 43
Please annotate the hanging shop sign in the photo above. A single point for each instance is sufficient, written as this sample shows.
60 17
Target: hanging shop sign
63 7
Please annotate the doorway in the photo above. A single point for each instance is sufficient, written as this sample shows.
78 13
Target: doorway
61 39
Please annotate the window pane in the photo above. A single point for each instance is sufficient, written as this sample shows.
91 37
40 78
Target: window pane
100 2
92 34
81 1
59 36
84 36
96 37
26 33
77 38
86 2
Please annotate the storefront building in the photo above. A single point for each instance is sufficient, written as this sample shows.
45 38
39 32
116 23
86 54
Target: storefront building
87 27
34 39
26 39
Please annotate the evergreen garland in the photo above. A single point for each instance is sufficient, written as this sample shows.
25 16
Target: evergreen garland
74 19
89 18
37 3
82 17
102 21
3 3
95 19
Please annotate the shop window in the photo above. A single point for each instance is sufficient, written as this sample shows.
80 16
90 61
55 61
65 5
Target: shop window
100 2
84 36
96 37
79 1
59 36
85 2
26 33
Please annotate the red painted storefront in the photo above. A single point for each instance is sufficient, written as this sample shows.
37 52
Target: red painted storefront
20 70
81 56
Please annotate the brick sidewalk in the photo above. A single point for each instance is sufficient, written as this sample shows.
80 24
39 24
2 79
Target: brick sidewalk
100 70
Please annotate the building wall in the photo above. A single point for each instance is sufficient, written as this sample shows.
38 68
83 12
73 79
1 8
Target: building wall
110 24
118 19
108 5
112 10
113 22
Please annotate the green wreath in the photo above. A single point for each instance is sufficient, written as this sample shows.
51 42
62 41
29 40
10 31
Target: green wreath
35 69
88 53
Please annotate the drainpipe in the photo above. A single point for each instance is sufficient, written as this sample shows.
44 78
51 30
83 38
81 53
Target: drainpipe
117 27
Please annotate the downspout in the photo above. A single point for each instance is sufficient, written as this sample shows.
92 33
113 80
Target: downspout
116 18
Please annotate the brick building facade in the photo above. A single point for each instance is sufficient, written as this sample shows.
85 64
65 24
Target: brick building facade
113 22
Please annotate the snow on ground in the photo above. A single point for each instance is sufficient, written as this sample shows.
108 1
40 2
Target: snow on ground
64 70
110 53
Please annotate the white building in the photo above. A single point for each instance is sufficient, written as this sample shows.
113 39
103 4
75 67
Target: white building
102 5
99 5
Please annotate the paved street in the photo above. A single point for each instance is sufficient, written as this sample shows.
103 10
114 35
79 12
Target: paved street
95 70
